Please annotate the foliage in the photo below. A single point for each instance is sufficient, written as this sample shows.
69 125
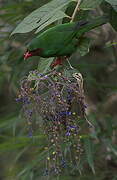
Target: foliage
25 156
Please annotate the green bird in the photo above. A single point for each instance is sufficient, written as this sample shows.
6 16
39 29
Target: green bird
61 40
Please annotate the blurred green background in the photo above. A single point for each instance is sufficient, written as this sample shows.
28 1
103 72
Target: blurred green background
18 153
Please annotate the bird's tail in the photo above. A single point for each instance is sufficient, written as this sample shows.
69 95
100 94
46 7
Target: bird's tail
85 26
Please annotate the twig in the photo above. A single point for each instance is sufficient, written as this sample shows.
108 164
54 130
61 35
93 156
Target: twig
75 10
72 19
69 64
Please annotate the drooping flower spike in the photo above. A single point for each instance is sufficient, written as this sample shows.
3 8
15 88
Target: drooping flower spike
59 100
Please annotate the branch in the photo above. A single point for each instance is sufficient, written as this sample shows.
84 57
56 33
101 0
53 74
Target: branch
75 10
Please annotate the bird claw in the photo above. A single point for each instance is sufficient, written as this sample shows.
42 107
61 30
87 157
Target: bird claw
58 61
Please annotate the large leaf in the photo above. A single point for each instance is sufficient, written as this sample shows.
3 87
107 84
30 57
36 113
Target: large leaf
44 65
90 4
54 18
112 2
41 15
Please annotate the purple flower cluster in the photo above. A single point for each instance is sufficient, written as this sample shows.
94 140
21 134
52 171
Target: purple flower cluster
72 129
58 100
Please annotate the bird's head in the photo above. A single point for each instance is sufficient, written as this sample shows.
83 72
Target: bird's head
28 53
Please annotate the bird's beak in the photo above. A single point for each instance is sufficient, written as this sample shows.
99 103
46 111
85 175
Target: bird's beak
27 55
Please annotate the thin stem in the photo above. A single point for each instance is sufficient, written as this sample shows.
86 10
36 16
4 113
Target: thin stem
75 10
69 64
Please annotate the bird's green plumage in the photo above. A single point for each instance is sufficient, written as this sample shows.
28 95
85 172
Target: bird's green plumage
62 40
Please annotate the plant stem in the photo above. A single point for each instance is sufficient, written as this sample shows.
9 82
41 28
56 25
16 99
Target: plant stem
75 10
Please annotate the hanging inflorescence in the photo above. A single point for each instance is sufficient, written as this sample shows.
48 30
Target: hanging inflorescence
56 101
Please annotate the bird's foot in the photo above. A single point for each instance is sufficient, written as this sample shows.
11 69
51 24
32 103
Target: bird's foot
58 61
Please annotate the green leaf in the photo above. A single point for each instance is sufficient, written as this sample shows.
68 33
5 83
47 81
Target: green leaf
95 123
83 47
44 65
41 15
111 146
7 122
14 144
113 17
112 2
36 161
21 142
89 152
111 10
90 4
54 18
20 154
